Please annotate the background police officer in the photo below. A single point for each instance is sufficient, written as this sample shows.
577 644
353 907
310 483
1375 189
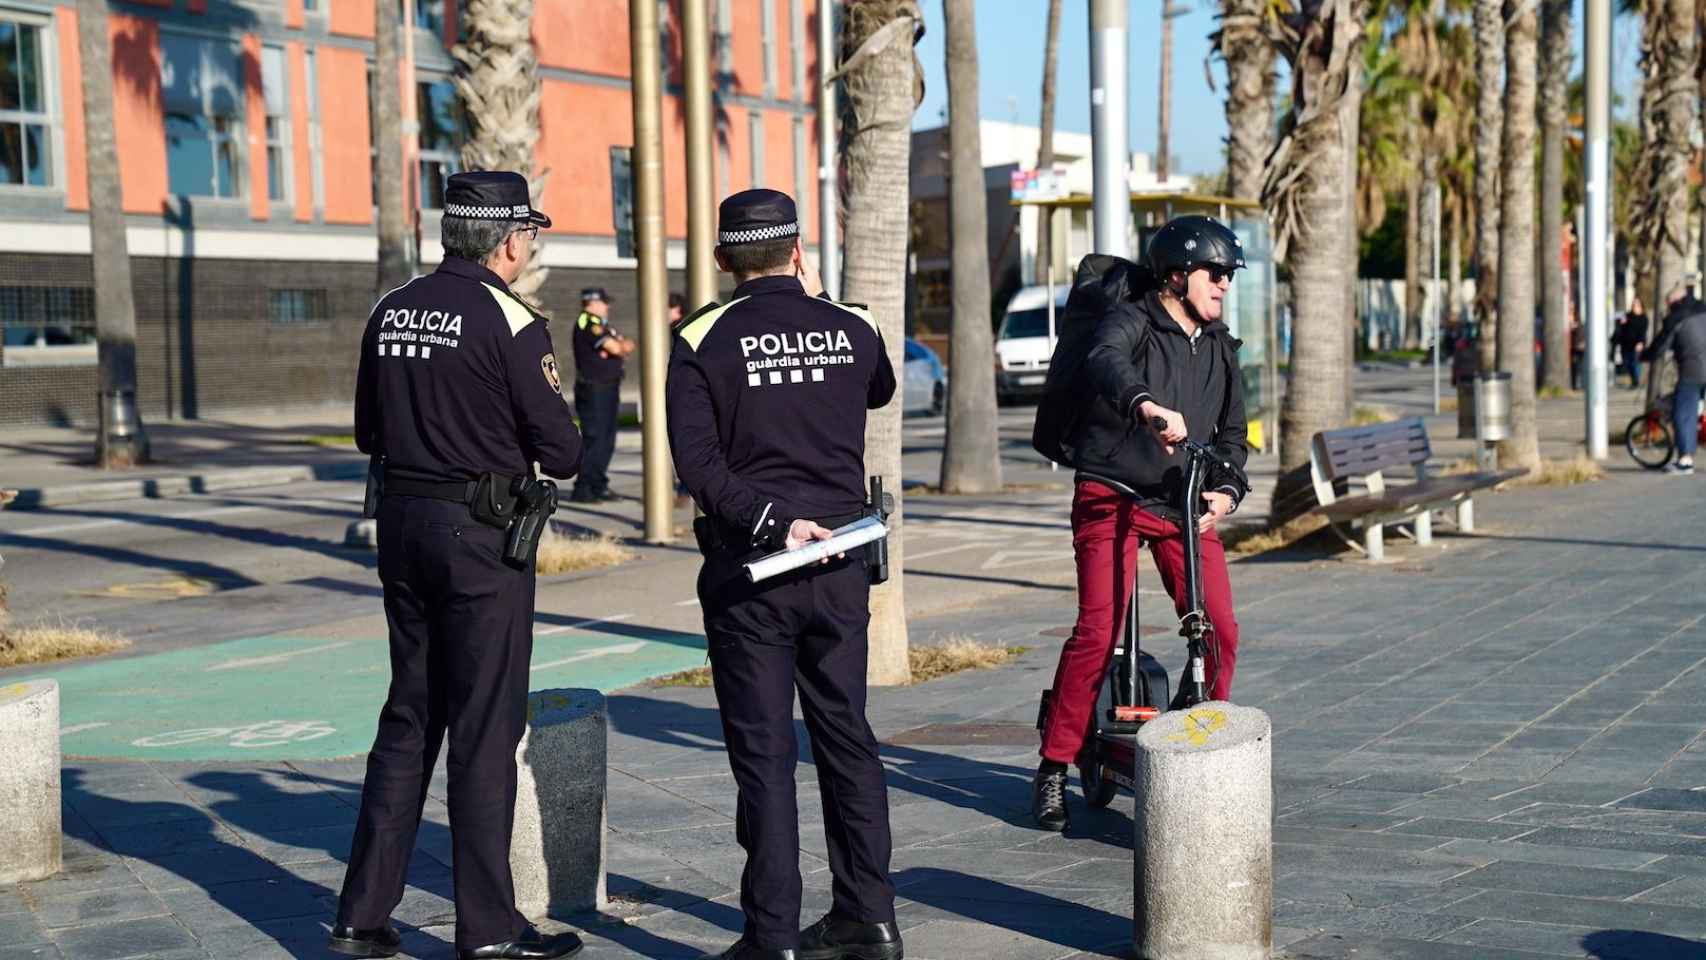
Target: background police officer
458 392
767 400
599 353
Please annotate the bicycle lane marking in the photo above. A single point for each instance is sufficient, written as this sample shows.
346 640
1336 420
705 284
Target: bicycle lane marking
303 697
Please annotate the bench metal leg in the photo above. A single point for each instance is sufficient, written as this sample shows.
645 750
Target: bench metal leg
1425 528
1374 541
1466 515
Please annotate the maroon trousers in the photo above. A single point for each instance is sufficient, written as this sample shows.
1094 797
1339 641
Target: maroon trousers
1106 528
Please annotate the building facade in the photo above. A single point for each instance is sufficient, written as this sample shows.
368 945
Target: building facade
247 158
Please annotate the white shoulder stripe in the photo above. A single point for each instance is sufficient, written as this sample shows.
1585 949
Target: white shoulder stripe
515 314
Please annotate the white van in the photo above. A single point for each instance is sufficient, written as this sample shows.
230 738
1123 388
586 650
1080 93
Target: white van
1022 345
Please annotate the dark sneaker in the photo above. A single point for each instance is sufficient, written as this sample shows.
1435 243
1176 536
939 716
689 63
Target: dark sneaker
1680 469
1048 800
835 939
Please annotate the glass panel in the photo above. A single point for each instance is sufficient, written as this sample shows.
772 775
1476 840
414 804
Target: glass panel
29 68
224 83
440 116
227 161
275 172
181 74
433 172
9 66
273 85
189 156
38 156
429 15
11 153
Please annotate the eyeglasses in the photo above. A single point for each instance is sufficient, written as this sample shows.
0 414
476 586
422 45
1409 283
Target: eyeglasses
1217 273
532 232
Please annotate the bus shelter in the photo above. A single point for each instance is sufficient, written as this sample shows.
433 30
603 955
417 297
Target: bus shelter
1251 303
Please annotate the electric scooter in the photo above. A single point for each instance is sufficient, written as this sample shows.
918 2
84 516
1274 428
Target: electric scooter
1136 689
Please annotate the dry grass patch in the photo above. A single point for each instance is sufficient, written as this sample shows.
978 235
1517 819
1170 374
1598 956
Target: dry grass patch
1564 473
1448 404
46 642
696 677
334 440
955 653
1248 541
561 554
1369 416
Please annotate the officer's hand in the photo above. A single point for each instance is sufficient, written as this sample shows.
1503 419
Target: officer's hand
1219 505
809 278
1173 430
802 532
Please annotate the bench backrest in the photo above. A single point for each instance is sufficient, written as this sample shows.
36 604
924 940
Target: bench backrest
1367 452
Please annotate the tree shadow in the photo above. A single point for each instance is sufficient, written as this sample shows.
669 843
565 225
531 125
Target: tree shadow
1640 945
1029 913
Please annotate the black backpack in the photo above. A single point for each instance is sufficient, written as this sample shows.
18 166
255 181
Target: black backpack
1102 281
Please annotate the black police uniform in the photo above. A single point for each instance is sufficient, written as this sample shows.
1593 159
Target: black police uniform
767 400
457 378
598 398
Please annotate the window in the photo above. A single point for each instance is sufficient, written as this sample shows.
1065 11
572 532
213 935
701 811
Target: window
767 32
26 127
429 16
273 86
755 122
804 183
440 117
47 316
312 6
796 46
297 306
622 198
202 87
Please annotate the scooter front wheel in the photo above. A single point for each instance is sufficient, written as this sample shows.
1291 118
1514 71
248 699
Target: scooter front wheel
1098 790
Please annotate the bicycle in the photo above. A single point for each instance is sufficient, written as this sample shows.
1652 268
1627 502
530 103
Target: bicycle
1650 439
1136 689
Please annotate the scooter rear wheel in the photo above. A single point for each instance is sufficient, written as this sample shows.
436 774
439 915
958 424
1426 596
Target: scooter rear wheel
1098 790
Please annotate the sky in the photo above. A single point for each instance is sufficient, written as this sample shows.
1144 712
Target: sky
1011 34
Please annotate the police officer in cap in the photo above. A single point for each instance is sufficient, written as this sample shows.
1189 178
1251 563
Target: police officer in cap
767 401
458 392
599 353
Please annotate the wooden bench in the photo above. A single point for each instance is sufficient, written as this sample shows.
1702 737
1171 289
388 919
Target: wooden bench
1339 458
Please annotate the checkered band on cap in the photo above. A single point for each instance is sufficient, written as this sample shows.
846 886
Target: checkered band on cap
475 212
759 233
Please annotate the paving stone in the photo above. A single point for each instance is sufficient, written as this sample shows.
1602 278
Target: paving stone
1341 819
1543 938
1525 852
183 871
154 937
97 906
249 901
21 928
30 951
1336 946
1605 914
1465 829
1578 881
1692 801
1377 922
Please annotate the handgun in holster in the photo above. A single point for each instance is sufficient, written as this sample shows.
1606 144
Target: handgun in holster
535 501
375 486
879 505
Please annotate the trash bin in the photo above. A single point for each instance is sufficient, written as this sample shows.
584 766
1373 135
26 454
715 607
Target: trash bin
1484 407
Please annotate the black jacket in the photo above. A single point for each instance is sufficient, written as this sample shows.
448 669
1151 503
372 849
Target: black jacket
1685 335
1140 353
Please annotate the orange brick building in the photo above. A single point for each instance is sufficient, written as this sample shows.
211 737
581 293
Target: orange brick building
246 155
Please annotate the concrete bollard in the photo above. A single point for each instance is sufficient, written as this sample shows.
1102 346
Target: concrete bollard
29 781
557 847
362 534
1204 835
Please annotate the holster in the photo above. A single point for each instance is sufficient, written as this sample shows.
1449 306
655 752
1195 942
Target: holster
375 487
492 501
534 506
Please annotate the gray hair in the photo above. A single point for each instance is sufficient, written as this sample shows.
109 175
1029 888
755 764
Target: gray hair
474 239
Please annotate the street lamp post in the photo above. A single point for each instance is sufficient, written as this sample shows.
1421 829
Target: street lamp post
1111 193
1596 321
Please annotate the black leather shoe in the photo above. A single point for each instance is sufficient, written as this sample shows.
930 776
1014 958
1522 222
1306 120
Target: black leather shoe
1048 800
578 495
746 951
378 942
531 945
835 939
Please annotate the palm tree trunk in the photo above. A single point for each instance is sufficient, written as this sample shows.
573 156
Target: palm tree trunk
497 81
1516 220
1554 102
1670 58
1045 135
1249 95
1489 125
1412 261
1454 277
971 454
395 266
1164 96
115 301
1352 237
884 85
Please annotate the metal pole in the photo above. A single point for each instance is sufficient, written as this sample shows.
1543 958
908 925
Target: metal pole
828 164
701 196
1048 273
1111 192
653 272
1439 318
1597 43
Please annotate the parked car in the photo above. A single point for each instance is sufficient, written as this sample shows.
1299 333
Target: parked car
1022 346
924 383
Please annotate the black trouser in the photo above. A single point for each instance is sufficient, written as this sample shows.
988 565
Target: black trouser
804 630
597 405
461 639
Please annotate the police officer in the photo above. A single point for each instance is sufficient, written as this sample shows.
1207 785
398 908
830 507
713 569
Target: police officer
599 352
458 392
767 401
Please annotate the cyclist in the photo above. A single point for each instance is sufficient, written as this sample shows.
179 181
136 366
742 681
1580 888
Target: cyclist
1166 356
1685 335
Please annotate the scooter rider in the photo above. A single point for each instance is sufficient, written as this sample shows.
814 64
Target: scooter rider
1164 357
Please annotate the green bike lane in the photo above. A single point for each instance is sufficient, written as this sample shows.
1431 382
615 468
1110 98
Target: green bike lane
299 696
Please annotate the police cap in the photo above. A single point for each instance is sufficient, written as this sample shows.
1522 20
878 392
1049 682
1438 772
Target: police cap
752 216
491 195
591 294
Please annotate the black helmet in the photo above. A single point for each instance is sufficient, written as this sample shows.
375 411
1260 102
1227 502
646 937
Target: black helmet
1185 243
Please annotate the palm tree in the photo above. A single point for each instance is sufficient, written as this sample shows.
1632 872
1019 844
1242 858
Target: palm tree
1554 103
395 264
884 84
497 81
1242 43
115 301
1489 124
971 454
1306 193
1516 220
1045 135
1669 93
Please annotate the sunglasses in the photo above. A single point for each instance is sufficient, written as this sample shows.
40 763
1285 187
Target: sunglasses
1217 273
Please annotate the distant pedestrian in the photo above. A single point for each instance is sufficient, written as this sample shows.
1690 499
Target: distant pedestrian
1685 336
1630 339
599 352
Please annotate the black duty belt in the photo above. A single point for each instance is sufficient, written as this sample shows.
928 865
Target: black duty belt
456 491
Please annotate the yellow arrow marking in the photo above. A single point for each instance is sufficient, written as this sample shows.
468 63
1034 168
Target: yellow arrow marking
1199 725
